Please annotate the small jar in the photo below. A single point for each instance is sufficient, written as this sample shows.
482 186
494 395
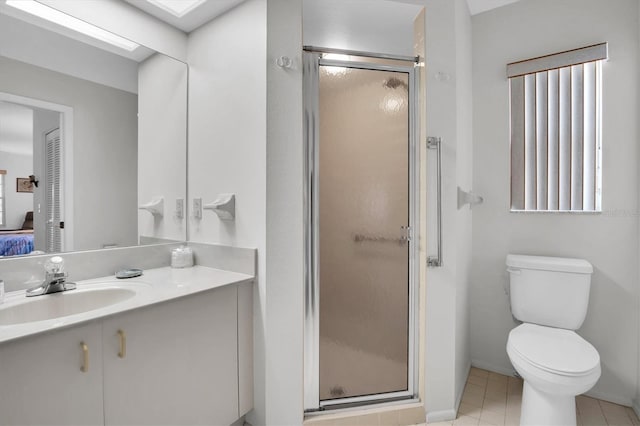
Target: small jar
182 257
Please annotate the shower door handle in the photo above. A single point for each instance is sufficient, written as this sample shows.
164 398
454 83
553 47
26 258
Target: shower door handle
407 234
436 143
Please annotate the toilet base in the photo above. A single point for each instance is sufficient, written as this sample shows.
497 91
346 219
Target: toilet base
540 408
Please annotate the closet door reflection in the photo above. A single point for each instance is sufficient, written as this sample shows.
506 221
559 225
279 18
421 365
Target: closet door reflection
364 208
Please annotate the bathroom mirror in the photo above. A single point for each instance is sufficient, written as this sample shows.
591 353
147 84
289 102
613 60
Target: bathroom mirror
91 128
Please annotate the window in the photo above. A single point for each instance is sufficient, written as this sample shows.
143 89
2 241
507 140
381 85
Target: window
555 131
2 207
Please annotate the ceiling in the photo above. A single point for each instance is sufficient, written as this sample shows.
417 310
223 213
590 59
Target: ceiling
191 20
212 8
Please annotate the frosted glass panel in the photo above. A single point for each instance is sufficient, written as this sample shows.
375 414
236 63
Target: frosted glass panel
363 253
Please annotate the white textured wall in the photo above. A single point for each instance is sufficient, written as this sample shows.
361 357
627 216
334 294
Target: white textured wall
609 241
105 150
448 116
227 146
162 144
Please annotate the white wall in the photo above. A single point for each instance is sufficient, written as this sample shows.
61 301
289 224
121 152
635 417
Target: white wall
284 232
104 151
448 116
464 176
162 144
372 26
235 89
16 203
47 49
609 240
127 21
227 146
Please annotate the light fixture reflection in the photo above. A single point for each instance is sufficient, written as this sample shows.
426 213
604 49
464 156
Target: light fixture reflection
335 70
393 103
336 57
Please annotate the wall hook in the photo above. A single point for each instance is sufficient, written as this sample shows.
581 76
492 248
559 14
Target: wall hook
155 206
224 206
284 62
470 198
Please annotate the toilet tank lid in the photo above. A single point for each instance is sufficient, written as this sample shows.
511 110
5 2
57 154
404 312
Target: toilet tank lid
560 264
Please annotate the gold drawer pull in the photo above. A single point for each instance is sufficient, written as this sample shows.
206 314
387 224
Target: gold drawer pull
85 357
123 344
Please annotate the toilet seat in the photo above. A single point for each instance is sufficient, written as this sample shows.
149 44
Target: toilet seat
554 350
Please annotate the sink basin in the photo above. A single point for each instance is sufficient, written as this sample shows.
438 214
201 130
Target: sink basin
57 305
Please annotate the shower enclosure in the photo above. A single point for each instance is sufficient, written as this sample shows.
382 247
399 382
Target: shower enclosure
361 217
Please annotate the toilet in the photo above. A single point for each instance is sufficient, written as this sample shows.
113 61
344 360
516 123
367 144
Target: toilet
550 296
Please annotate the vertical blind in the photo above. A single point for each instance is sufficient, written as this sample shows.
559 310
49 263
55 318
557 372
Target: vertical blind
555 131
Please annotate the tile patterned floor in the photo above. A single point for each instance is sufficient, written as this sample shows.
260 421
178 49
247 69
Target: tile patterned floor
491 399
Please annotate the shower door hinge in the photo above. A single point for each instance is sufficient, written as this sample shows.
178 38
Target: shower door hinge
433 142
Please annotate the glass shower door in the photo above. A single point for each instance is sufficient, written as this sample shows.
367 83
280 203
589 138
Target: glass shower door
363 234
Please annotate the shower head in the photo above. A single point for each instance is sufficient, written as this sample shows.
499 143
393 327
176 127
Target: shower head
394 83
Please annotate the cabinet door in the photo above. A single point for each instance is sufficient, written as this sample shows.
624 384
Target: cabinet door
41 382
180 365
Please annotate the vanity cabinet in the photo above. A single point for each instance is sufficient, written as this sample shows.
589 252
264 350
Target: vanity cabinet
185 361
41 382
180 365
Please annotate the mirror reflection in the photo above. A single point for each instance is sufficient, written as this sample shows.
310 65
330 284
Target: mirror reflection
92 126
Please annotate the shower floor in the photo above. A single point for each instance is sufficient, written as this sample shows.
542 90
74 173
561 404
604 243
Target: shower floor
356 372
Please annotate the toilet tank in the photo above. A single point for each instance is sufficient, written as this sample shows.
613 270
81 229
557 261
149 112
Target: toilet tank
551 291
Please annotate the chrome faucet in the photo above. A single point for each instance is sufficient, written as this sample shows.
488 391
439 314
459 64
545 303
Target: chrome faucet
54 281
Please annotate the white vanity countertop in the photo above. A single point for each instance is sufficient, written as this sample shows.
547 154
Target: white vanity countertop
154 286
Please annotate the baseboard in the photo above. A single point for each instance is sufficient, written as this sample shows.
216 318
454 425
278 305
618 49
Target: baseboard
445 415
441 416
239 422
612 398
598 395
491 367
461 391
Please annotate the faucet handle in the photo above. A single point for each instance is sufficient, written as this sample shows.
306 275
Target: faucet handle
54 265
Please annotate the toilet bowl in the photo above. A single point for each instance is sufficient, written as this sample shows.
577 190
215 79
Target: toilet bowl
550 296
556 365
